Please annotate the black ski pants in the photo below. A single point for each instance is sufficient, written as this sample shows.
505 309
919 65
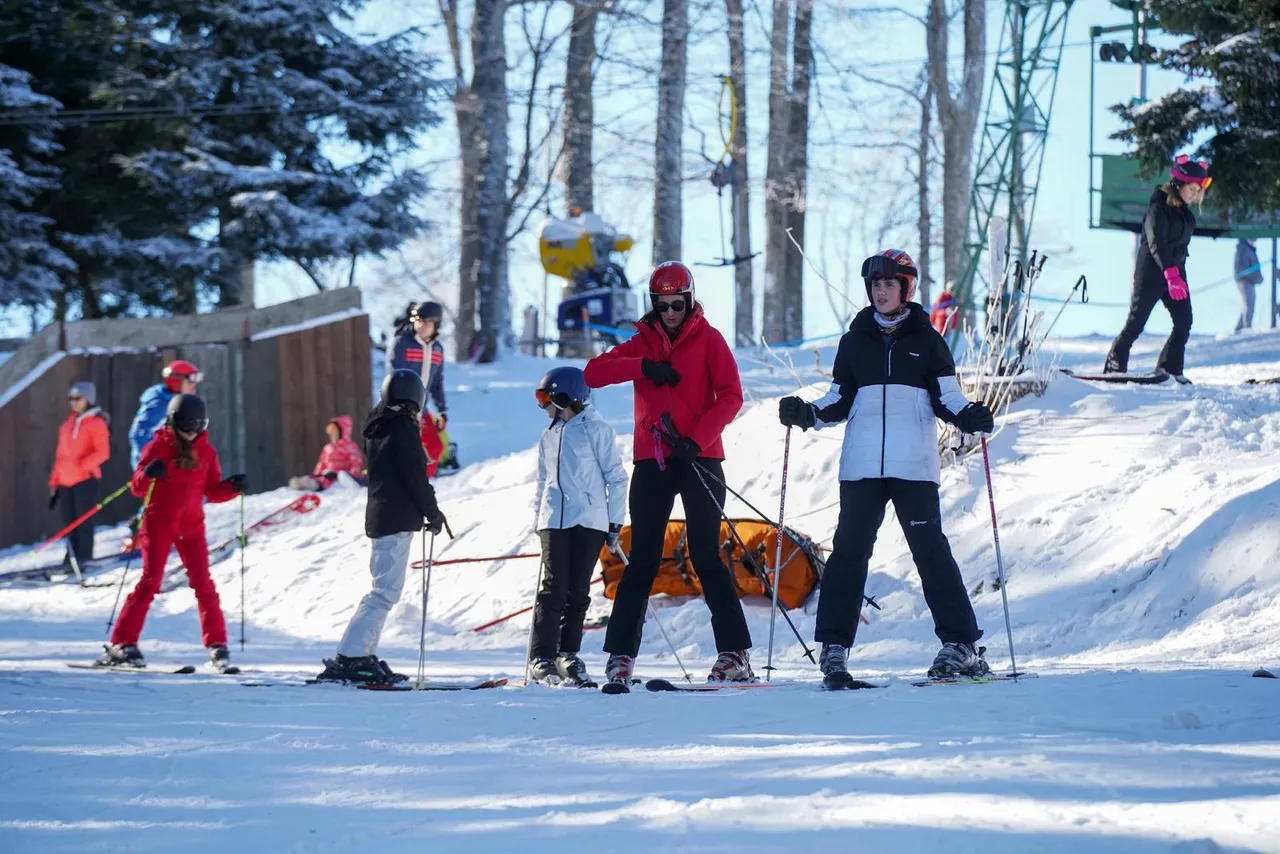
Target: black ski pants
862 505
73 501
1150 288
569 556
653 494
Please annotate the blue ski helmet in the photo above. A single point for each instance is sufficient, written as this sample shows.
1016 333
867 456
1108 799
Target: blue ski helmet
563 387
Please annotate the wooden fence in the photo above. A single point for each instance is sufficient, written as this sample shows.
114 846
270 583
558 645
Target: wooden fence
273 378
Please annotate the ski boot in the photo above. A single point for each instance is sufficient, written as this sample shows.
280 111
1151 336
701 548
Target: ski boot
121 655
361 668
835 672
221 659
732 666
959 660
617 674
573 671
451 458
543 669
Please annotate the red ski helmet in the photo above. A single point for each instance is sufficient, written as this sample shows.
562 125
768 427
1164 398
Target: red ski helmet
891 263
669 279
177 371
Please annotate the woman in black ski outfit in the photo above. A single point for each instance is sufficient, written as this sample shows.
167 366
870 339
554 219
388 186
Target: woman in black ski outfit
1160 272
893 376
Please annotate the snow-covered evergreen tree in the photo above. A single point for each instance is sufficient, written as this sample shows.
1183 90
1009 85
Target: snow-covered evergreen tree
276 89
30 265
1231 100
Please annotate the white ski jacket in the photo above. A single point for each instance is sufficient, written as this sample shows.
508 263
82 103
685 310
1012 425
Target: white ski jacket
581 479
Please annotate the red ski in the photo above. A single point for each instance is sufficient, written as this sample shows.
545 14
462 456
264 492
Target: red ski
300 506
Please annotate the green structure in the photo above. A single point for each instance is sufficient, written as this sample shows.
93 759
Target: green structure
1014 132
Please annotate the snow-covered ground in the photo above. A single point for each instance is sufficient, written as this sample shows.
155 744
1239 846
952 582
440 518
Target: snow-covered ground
1140 529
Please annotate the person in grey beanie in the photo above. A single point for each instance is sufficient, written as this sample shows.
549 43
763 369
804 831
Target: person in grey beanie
83 447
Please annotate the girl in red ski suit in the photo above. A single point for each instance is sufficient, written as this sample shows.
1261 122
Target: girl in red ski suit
175 517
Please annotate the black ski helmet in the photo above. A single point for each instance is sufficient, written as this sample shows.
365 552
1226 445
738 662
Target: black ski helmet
563 387
404 386
187 414
429 310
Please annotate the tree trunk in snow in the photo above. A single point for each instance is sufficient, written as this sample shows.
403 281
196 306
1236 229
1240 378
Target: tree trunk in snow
797 171
579 107
668 213
740 190
958 115
481 108
924 223
775 176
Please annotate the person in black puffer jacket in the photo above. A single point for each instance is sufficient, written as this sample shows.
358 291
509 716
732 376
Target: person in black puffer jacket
893 377
401 502
1160 272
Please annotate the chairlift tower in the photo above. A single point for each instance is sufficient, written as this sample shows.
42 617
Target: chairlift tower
1014 131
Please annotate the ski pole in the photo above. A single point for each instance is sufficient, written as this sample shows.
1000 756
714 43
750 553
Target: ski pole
720 481
777 559
1081 283
533 624
995 532
760 573
654 616
242 545
513 614
427 555
146 502
80 519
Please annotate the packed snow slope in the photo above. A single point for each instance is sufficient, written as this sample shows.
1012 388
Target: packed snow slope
1140 538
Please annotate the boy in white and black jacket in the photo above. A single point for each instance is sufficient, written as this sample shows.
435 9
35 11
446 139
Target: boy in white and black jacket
893 377
580 504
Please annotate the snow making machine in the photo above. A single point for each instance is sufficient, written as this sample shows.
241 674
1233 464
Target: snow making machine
597 305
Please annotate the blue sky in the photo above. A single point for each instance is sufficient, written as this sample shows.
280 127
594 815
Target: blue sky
847 186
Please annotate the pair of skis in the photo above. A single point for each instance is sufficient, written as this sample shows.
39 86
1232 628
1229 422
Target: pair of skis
163 670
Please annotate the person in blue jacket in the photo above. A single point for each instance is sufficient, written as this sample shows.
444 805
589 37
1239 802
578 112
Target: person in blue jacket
178 377
417 348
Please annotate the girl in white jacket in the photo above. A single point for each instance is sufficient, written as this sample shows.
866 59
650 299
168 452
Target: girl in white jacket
581 502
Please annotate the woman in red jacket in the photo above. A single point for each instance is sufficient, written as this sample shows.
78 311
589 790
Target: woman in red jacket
686 383
178 469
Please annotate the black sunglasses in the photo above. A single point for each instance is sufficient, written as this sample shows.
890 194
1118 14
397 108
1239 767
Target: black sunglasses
677 305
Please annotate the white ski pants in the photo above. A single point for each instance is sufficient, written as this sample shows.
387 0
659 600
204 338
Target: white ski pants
387 564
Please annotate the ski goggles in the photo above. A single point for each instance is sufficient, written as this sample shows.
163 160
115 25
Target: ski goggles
196 377
881 267
545 397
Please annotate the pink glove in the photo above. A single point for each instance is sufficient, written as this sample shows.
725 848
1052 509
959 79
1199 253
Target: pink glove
1177 284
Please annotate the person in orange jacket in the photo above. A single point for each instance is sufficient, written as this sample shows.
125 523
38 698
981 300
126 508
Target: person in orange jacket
341 454
178 469
83 446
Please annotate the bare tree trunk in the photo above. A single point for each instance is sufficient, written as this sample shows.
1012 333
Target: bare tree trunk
468 238
668 212
744 313
489 85
579 107
958 116
775 177
924 224
797 169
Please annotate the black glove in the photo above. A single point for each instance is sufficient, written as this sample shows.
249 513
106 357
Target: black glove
686 450
612 537
975 418
435 524
794 412
155 469
53 498
330 476
238 482
660 372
